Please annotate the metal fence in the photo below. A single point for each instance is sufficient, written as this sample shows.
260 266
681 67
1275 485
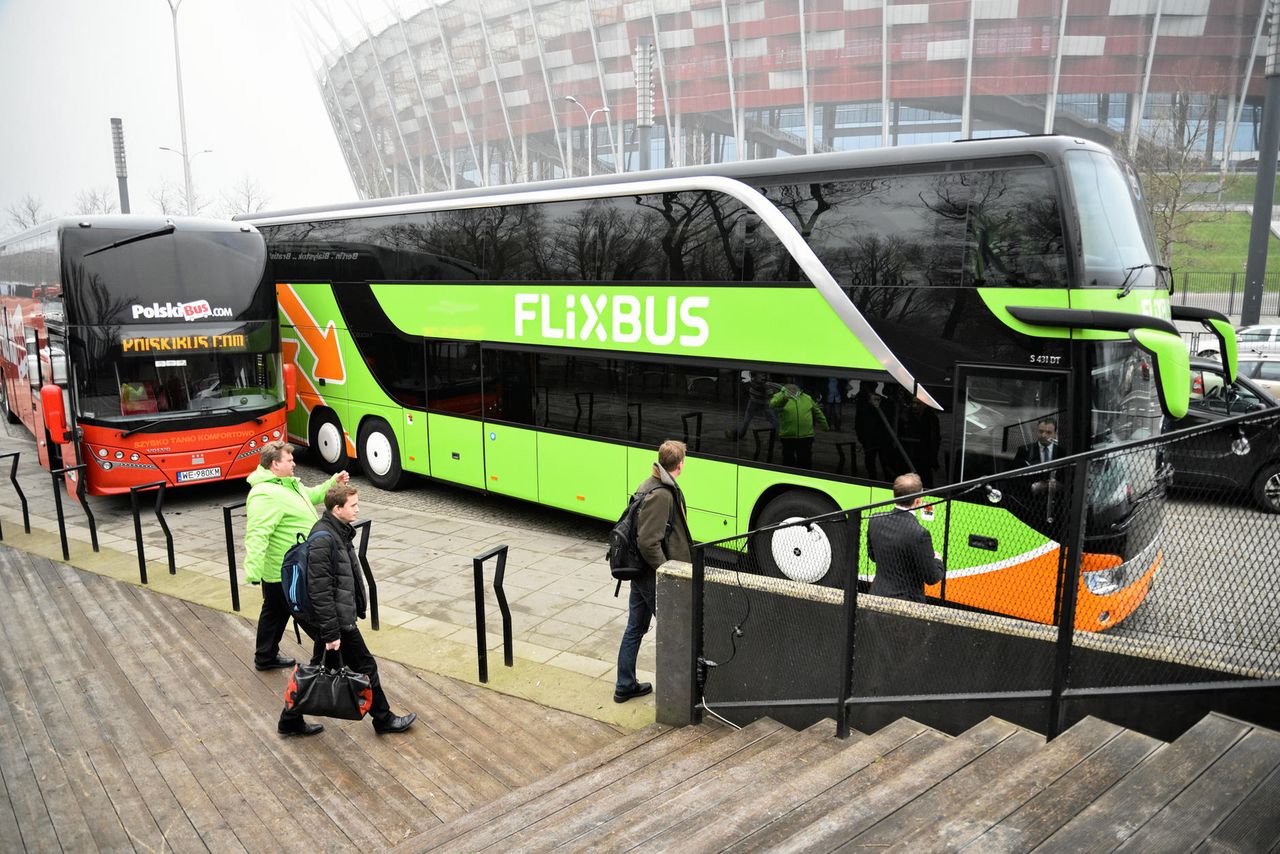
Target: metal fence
1153 563
1224 292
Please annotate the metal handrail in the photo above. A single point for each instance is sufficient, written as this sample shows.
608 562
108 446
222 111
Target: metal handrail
231 553
482 645
13 478
159 486
57 502
364 528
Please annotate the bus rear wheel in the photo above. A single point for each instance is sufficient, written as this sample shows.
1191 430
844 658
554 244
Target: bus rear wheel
379 454
328 444
813 554
4 402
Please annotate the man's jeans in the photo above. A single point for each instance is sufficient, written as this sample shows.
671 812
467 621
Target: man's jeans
640 609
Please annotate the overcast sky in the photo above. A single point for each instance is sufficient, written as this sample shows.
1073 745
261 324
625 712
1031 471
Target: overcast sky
68 66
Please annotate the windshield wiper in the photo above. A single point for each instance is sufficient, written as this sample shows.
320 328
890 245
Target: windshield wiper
167 228
258 419
1130 280
141 427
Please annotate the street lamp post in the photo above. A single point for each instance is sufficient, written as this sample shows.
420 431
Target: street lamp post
186 168
591 140
182 112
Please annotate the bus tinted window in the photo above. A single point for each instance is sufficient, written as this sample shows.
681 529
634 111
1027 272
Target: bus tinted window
581 394
453 377
983 228
693 403
509 386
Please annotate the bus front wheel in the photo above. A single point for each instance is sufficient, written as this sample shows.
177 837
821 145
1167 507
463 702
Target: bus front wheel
812 554
379 455
328 444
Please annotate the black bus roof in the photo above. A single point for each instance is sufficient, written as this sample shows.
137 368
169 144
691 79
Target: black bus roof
140 222
1048 146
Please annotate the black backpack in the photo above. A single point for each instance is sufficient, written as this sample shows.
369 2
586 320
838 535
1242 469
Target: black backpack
625 561
295 576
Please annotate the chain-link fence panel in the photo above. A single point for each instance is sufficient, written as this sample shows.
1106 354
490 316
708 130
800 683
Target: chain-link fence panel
1213 609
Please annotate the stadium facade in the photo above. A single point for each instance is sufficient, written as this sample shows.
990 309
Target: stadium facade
441 94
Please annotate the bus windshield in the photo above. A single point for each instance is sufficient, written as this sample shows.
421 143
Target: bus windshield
1116 239
204 371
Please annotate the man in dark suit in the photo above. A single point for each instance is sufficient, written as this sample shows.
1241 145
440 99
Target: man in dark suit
901 548
1044 449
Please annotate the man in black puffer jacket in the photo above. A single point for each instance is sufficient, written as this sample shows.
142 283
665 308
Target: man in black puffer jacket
338 599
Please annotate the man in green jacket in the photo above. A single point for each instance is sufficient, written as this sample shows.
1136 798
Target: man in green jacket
279 508
797 415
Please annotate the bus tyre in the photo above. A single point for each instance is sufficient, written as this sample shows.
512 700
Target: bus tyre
4 401
328 444
379 456
1266 488
799 552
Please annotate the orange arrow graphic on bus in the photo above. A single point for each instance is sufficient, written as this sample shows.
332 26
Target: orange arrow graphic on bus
323 344
290 350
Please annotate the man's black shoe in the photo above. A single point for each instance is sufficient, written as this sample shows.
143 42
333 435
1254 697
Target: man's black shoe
301 727
640 689
395 723
280 661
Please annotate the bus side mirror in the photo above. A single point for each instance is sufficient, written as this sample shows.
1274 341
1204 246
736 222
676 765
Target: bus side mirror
290 386
1172 367
55 416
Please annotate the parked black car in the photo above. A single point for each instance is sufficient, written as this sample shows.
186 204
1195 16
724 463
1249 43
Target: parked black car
1210 460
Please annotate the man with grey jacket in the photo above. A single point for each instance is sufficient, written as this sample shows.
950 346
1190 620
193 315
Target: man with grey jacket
662 534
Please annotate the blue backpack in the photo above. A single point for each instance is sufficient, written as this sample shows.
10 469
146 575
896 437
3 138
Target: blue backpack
295 576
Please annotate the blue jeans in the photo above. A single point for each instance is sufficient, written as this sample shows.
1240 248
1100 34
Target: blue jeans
640 608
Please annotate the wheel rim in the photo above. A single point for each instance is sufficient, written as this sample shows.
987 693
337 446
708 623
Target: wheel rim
800 553
329 442
1271 491
377 453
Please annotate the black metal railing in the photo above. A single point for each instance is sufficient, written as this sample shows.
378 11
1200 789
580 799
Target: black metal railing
482 643
159 486
362 552
78 472
232 575
1223 291
13 478
1085 611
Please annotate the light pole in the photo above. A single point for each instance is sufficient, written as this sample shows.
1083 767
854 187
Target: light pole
591 140
186 168
182 112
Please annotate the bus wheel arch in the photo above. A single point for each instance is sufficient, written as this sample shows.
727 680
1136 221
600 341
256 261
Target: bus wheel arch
326 440
814 555
379 453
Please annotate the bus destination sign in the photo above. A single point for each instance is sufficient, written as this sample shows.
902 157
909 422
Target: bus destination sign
183 344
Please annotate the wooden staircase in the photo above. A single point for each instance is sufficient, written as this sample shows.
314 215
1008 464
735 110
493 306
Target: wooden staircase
906 788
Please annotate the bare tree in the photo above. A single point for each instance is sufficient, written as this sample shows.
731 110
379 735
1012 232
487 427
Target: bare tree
95 200
26 212
1179 187
245 197
168 198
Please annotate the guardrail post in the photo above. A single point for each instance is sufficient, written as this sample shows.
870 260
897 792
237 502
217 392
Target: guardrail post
13 478
364 528
698 664
231 553
482 645
57 501
1068 586
159 486
850 615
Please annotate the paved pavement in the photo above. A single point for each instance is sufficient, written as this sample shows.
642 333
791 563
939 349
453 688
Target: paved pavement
566 621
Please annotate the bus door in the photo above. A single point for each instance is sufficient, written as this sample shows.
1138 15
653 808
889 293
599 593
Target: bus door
8 383
1008 419
34 371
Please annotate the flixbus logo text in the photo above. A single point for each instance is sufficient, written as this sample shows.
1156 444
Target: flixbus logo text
617 318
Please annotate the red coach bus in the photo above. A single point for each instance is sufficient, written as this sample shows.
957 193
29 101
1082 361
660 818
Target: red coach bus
146 347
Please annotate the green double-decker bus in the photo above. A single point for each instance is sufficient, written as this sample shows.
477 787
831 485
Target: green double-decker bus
931 306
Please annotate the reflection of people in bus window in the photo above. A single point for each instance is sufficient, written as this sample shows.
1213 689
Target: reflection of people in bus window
134 397
798 414
921 435
873 433
759 391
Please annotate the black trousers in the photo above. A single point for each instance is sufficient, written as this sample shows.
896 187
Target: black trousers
798 452
356 656
271 623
